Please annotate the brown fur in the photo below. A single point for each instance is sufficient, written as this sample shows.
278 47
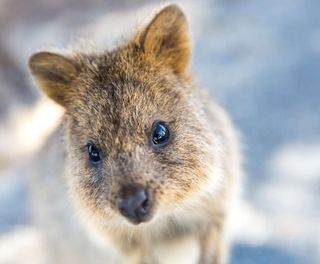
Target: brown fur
112 99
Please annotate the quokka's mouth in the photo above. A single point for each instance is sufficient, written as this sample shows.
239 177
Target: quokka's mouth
140 220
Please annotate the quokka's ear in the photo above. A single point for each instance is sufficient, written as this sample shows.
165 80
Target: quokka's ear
167 38
54 74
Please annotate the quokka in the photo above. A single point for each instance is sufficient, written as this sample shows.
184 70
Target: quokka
152 164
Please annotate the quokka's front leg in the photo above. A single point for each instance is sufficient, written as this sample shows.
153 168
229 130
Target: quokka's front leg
213 245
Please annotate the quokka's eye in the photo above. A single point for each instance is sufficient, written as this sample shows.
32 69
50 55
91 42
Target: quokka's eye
93 152
160 134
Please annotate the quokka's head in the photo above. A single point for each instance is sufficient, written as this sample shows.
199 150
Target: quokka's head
136 139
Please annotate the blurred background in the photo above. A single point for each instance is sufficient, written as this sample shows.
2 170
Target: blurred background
259 59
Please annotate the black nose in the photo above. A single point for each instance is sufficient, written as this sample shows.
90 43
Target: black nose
134 202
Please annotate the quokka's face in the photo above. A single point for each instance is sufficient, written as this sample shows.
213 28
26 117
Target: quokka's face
135 143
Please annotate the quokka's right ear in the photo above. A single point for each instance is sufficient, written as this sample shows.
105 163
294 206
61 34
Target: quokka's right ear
54 74
167 39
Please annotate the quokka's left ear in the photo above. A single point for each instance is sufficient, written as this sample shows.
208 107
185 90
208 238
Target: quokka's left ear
167 38
54 74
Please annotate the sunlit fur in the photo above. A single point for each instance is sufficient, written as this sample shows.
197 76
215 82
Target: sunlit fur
112 99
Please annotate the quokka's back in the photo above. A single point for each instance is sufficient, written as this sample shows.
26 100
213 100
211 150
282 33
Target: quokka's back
151 165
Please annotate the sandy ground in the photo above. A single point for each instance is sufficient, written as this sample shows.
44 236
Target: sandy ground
261 60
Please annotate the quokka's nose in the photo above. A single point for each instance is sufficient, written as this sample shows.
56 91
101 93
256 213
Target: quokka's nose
134 202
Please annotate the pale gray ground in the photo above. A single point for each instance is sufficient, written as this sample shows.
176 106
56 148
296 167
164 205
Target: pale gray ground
260 59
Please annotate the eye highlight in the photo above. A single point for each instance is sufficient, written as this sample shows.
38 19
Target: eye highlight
160 134
93 153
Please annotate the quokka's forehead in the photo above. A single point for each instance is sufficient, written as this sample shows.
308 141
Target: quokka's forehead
130 105
125 67
118 91
124 104
113 86
122 61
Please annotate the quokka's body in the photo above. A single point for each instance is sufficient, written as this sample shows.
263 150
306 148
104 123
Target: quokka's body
151 163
